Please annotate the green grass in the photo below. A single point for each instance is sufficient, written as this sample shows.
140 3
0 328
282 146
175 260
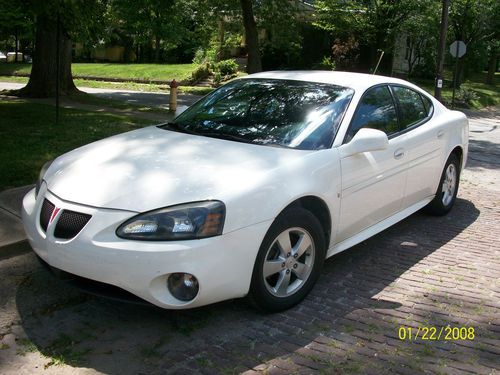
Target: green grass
487 95
30 137
163 72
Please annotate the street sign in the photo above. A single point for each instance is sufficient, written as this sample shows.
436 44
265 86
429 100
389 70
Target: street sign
458 48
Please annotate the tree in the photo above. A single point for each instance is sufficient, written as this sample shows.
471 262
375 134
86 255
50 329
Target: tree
254 64
476 23
16 20
374 23
78 17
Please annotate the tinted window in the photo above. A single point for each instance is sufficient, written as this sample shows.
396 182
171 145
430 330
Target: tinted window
376 110
296 114
411 106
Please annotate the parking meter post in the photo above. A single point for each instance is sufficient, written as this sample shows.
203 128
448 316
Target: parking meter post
173 96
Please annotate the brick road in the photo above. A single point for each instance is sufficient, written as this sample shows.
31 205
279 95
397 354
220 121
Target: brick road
423 272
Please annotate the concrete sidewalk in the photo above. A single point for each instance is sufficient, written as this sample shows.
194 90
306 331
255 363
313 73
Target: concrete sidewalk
11 227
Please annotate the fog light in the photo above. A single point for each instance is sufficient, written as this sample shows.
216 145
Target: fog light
183 286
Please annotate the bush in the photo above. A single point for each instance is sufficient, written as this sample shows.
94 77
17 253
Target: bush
326 64
201 72
226 67
465 97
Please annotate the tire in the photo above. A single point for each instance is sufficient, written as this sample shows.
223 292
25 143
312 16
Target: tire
292 255
447 190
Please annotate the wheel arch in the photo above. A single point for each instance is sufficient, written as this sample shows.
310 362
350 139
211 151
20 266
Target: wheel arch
319 209
459 152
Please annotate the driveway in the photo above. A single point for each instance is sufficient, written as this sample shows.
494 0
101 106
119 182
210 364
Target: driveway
424 272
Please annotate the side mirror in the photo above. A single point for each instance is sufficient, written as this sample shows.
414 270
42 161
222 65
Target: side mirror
365 140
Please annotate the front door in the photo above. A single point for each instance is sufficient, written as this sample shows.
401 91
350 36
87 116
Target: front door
373 183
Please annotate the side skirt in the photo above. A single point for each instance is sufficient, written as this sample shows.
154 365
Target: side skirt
377 228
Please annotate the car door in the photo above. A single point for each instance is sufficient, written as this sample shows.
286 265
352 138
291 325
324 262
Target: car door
373 182
424 144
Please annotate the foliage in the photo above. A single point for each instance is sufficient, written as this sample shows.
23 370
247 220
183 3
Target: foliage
201 72
465 97
326 64
371 24
477 23
226 67
16 18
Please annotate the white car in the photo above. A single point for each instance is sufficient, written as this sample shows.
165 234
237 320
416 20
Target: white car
250 189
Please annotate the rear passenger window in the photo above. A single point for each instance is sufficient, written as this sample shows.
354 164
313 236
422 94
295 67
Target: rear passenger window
411 106
376 110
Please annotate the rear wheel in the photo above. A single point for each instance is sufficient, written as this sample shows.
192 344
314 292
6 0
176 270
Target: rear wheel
289 261
447 189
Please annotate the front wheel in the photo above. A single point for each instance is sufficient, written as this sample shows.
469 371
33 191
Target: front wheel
289 261
447 189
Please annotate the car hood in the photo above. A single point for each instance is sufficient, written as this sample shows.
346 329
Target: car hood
151 168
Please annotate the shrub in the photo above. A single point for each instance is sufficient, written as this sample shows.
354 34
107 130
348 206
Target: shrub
226 67
465 97
326 64
201 72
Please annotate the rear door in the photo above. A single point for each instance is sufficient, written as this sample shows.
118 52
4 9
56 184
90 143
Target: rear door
424 143
373 183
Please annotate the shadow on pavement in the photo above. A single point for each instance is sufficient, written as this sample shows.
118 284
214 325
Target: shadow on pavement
353 307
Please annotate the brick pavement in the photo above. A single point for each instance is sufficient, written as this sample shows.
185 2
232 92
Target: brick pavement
424 271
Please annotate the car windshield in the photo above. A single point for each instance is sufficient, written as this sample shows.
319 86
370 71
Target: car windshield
286 113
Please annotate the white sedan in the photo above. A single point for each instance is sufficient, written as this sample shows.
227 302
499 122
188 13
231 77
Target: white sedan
250 189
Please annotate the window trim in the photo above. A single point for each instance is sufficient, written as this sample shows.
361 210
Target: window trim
416 124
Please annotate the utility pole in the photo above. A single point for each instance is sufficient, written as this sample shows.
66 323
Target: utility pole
441 50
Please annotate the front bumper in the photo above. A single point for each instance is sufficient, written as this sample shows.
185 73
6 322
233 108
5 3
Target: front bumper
223 265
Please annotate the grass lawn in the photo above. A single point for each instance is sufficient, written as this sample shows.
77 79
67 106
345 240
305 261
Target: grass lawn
164 72
487 95
30 137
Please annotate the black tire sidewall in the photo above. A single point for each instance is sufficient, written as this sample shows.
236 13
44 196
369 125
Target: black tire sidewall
437 206
295 217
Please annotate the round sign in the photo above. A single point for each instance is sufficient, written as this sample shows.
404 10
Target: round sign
458 48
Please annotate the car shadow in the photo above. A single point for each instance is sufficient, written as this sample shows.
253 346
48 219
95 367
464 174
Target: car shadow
355 300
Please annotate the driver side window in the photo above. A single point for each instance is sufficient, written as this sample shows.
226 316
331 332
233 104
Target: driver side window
376 110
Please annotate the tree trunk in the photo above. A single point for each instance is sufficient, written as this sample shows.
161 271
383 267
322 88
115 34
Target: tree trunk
254 64
43 77
492 67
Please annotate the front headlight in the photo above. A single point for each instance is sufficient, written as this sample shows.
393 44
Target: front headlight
44 169
183 222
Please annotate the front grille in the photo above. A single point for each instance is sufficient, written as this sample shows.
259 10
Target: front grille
70 223
45 214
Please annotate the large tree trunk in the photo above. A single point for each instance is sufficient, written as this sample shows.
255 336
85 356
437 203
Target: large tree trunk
254 64
42 82
492 67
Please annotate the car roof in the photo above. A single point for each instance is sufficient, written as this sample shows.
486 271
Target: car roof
357 81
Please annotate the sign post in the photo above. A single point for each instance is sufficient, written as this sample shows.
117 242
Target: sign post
457 50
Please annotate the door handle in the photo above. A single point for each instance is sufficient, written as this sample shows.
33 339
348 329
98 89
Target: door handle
440 133
399 153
